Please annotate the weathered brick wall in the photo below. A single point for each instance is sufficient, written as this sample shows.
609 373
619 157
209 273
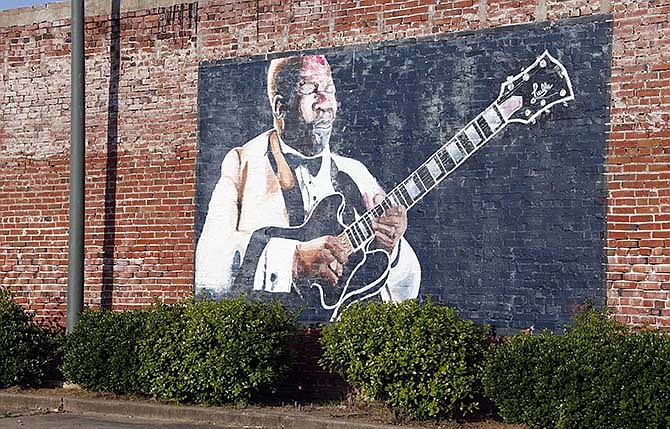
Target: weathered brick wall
639 164
142 77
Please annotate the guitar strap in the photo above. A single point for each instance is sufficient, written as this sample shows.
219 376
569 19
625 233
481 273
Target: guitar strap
292 196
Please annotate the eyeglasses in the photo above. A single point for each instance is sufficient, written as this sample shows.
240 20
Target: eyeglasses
308 88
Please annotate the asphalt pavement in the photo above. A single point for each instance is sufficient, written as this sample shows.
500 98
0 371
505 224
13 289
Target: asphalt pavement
62 420
21 410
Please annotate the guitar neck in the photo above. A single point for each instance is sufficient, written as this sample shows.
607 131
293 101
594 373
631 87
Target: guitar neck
443 162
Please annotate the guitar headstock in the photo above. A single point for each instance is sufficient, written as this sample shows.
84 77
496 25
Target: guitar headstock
535 90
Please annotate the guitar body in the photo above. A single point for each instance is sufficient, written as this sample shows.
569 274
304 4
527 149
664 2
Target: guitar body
363 276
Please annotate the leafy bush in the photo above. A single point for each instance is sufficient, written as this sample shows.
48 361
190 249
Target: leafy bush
101 351
202 352
214 352
423 360
596 375
28 353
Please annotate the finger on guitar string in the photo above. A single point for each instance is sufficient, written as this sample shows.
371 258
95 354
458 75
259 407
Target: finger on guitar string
385 227
395 211
385 240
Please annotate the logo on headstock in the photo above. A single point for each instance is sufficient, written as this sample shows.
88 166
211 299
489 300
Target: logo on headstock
535 90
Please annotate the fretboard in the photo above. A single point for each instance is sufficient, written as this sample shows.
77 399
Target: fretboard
436 168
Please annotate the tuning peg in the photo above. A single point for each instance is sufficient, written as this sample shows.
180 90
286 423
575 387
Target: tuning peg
510 78
565 104
533 121
548 111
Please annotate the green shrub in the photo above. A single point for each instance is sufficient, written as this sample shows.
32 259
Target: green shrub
29 354
423 360
202 352
100 353
215 352
595 375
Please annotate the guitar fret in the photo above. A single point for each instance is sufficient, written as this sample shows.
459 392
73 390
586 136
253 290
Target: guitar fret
446 160
458 143
350 237
405 196
361 230
497 111
454 152
357 234
368 226
484 127
479 129
416 177
493 118
362 225
473 135
465 142
435 169
411 188
426 177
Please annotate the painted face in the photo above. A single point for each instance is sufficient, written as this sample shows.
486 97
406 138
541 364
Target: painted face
315 93
311 108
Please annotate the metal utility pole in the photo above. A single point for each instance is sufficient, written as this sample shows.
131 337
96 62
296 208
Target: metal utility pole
75 268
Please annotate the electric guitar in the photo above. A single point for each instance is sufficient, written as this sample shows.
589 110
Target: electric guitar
522 99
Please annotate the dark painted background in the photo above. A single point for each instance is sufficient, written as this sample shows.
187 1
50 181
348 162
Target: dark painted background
513 238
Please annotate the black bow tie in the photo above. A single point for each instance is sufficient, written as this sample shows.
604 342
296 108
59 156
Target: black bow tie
313 165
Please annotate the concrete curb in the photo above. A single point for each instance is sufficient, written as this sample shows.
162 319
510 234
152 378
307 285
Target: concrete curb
242 417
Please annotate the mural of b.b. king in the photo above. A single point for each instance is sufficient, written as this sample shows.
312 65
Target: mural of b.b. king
289 177
397 171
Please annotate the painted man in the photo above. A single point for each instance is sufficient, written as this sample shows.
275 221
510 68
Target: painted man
276 179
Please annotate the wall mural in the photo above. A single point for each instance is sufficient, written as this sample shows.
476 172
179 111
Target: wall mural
469 169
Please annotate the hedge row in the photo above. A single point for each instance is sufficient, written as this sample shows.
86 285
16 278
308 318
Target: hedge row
200 352
596 375
423 360
29 353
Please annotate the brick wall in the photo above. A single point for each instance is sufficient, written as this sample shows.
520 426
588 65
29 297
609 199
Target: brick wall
638 245
142 78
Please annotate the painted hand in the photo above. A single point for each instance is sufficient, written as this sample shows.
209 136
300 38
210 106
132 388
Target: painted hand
323 257
390 226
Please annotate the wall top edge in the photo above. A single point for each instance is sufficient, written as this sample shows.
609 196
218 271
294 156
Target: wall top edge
383 44
58 11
